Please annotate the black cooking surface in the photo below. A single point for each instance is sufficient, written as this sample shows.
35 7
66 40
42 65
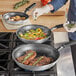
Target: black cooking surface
9 41
74 55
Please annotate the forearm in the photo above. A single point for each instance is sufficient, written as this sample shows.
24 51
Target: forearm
51 6
56 4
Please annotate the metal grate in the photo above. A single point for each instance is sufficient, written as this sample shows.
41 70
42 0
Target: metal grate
9 41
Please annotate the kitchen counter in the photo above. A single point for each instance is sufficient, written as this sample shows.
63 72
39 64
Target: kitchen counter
49 20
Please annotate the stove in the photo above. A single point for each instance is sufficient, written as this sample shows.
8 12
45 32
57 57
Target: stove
9 41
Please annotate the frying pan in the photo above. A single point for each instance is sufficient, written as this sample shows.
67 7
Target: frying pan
35 26
41 49
21 14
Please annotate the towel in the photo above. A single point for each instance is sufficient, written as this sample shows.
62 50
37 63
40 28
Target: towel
60 37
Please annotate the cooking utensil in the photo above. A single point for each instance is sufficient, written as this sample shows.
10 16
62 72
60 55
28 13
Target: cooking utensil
35 26
21 14
41 49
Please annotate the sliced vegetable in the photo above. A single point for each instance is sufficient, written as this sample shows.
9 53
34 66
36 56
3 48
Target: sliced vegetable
32 30
30 54
38 60
17 5
20 34
32 34
38 30
70 25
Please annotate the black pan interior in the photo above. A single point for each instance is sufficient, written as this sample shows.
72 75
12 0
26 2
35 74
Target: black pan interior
11 14
41 50
34 26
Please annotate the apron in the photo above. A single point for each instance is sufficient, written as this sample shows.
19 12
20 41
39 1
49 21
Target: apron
72 11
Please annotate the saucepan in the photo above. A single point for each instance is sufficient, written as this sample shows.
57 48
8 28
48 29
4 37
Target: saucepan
35 26
41 49
6 16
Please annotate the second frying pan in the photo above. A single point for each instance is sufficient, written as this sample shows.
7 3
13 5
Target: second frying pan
41 50
35 26
21 14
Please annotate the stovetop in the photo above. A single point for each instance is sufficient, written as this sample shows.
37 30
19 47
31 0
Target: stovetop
74 56
9 41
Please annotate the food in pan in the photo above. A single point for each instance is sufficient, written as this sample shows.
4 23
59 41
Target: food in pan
25 59
70 25
30 59
16 18
21 3
32 34
42 60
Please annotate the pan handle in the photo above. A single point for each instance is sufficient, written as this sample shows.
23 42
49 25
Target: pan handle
30 7
56 27
66 45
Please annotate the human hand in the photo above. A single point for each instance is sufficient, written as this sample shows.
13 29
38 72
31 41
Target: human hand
40 11
69 28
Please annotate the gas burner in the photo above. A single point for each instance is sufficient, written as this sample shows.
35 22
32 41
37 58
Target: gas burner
9 41
4 74
2 45
16 70
4 40
4 60
4 55
3 66
4 35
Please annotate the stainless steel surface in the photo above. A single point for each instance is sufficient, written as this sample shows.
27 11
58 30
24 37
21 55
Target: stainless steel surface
41 50
34 26
6 16
65 65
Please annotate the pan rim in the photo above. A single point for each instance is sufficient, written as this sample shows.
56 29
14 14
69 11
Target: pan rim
18 63
32 40
15 22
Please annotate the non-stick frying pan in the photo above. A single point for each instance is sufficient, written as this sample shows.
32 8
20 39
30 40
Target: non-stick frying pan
41 49
21 14
35 26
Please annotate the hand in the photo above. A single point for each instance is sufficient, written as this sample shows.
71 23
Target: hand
72 29
37 12
40 11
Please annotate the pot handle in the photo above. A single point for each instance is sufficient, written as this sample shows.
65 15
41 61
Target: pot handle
30 7
66 45
56 27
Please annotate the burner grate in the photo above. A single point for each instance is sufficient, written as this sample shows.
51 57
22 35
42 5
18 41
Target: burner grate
21 74
4 55
3 65
4 73
4 35
9 41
